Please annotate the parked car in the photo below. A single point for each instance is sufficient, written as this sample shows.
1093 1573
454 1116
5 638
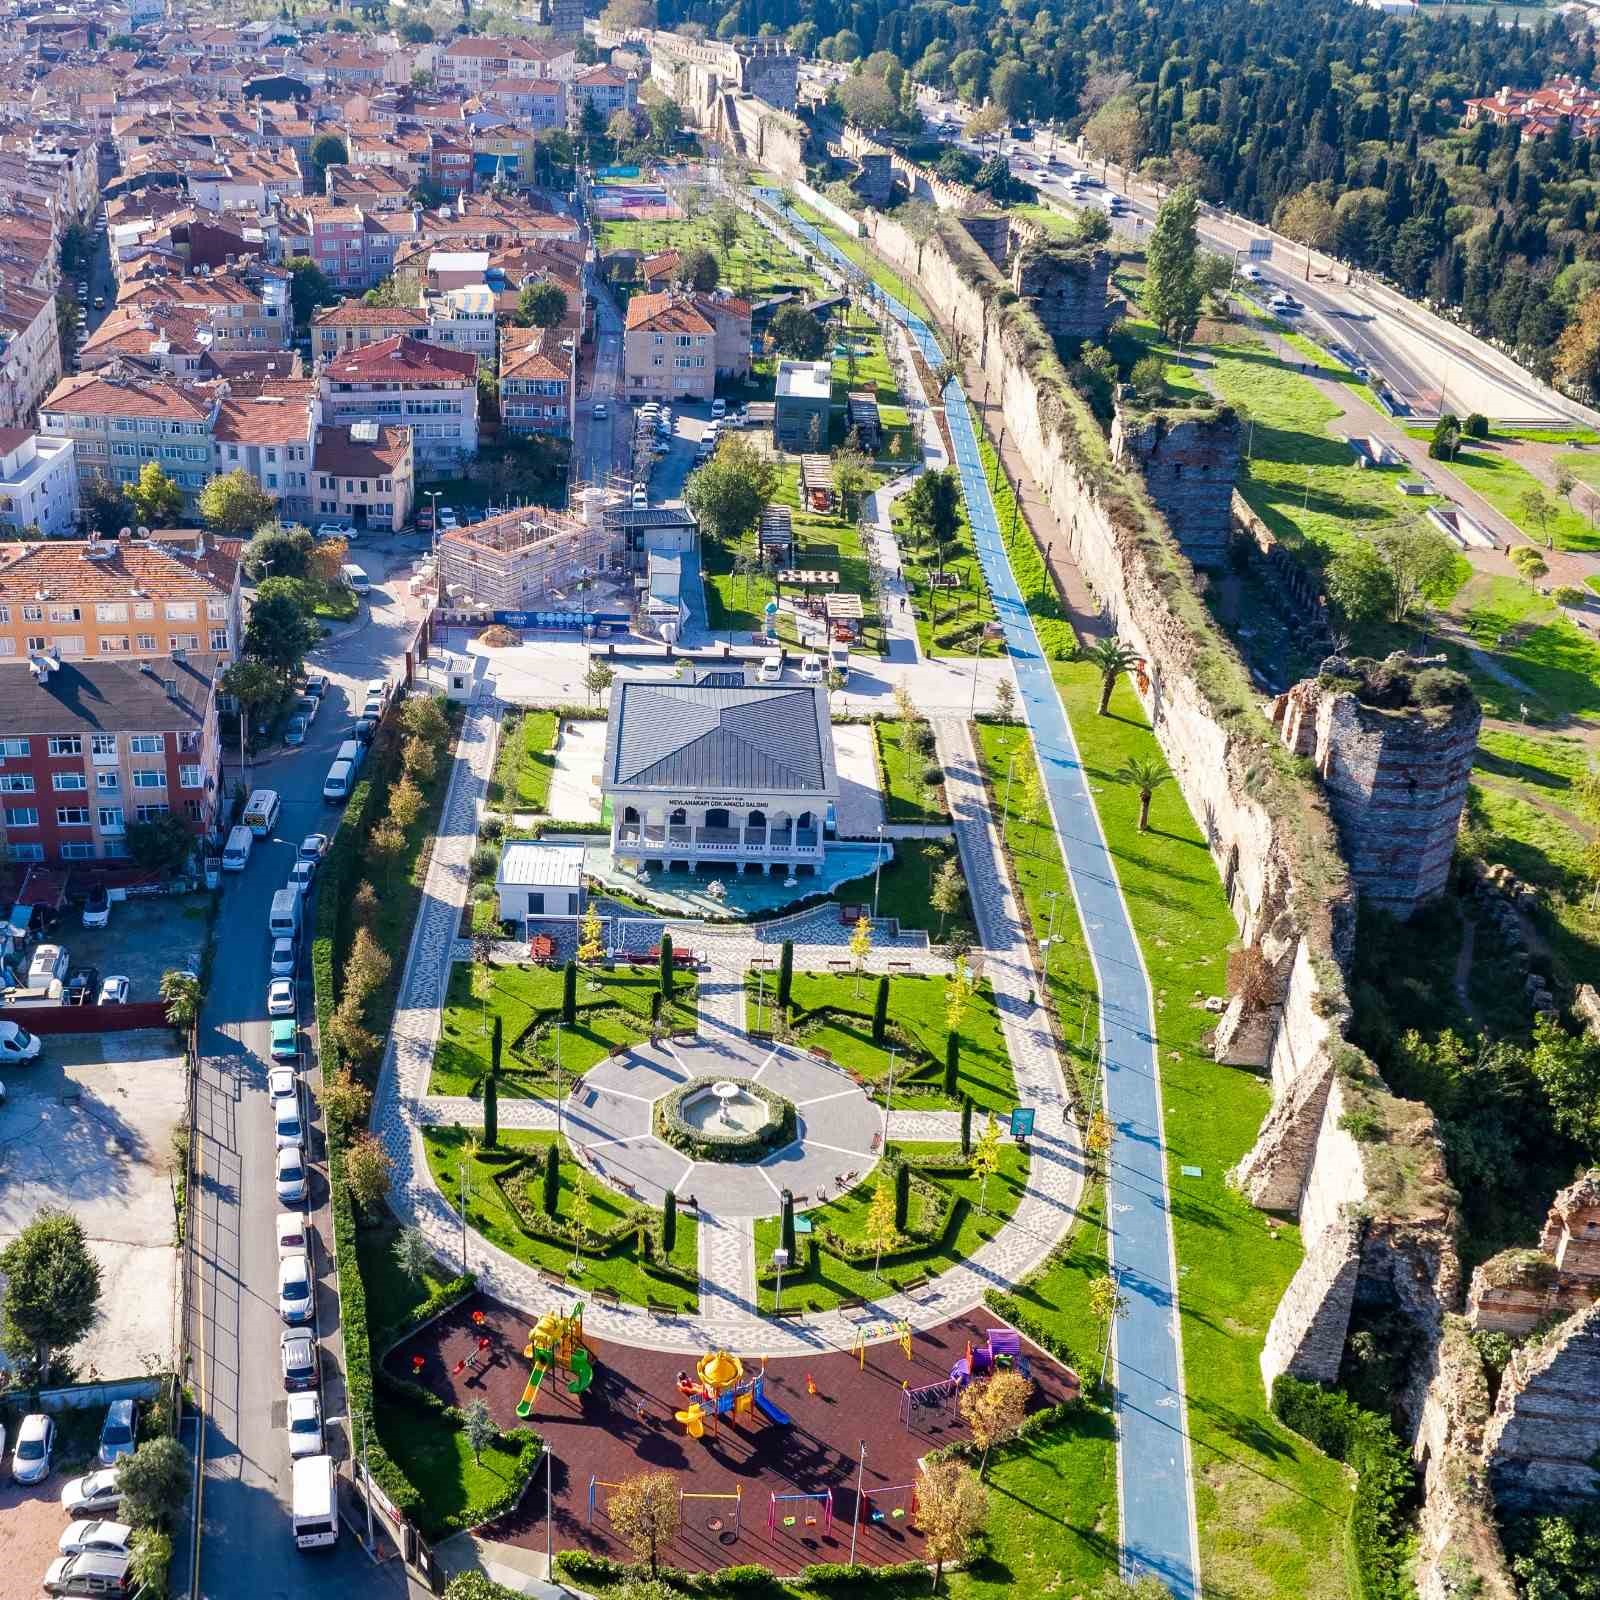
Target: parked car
285 957
117 1433
365 728
313 847
330 530
306 706
30 1459
316 684
811 669
92 1573
304 1417
114 991
97 908
288 1127
50 962
16 1043
82 987
292 1176
600 413
285 1040
719 408
91 1494
280 998
293 1233
295 1295
297 1355
107 1538
295 732
301 874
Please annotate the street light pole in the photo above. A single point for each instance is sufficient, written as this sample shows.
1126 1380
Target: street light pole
549 1469
463 1173
1054 897
366 1475
876 872
780 1259
861 1478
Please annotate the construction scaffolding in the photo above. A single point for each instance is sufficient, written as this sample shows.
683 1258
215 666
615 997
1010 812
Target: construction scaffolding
529 557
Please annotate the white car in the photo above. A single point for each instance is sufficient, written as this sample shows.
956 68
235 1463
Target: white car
641 500
280 997
304 1416
1251 274
313 847
36 1438
811 669
291 1181
114 991
287 1124
92 1493
105 1538
295 1294
301 874
284 957
50 961
600 412
330 530
293 1233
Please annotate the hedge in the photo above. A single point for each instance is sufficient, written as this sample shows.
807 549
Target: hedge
701 1146
1377 1536
582 1566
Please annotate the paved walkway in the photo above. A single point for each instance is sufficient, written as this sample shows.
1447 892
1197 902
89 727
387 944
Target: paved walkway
1157 1498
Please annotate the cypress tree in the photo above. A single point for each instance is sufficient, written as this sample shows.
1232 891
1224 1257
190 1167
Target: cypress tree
785 973
880 1010
666 966
902 1195
569 993
491 1109
552 1178
966 1125
669 1223
952 1063
786 1222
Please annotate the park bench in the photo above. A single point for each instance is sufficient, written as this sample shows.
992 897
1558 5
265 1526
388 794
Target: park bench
822 1055
912 1285
901 966
838 966
658 1308
605 1297
788 1313
855 1303
554 1279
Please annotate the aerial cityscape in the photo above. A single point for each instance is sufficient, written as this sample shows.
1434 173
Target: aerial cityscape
800 802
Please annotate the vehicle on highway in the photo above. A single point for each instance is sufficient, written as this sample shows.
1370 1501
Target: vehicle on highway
92 1573
236 852
294 1288
313 847
280 997
599 413
91 1533
30 1457
1283 303
114 991
285 957
1251 274
16 1043
304 1418
296 730
285 1040
118 1433
92 1493
297 1357
97 908
291 1179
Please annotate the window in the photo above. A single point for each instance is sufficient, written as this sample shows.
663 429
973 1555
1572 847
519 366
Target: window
69 781
37 642
103 746
189 777
144 611
13 747
114 849
219 638
69 644
25 852
66 745
107 781
182 611
146 641
77 850
217 609
184 641
16 783
113 645
188 742
147 779
111 819
66 613
150 813
22 816
5 613
73 816
147 744
8 647
111 613
33 613
193 810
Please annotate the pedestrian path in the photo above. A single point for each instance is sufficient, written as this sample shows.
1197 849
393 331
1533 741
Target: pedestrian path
1153 1464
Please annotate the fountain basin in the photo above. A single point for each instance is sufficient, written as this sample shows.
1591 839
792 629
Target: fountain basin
725 1119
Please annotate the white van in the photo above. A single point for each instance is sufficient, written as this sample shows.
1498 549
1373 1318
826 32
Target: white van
353 751
261 813
336 786
771 668
283 921
236 852
315 1502
355 579
16 1043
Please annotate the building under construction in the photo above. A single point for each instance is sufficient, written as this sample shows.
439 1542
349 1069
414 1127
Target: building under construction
529 558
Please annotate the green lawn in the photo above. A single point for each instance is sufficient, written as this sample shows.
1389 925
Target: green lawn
434 1454
755 264
904 886
1584 465
858 251
827 1280
910 791
950 621
491 1214
391 1295
872 374
613 1009
1271 1510
526 762
1486 466
833 1012
1559 663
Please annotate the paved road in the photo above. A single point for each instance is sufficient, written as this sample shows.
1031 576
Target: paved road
599 438
1153 1466
248 1549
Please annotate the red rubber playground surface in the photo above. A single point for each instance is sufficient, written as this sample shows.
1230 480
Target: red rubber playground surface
624 1425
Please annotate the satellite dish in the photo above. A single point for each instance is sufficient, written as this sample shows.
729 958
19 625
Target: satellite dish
144 533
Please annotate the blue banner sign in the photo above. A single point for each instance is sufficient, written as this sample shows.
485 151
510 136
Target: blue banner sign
1021 1122
616 172
561 619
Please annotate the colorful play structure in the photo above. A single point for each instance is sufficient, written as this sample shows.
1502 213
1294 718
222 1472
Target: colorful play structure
720 1388
1003 1349
871 1332
801 1519
929 1397
556 1342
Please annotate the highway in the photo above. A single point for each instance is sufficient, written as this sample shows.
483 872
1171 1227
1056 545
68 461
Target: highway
247 1547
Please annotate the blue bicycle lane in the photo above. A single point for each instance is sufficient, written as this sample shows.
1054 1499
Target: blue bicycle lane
1155 1486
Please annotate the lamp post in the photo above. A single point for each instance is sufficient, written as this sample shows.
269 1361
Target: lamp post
1054 897
1005 809
861 1478
463 1177
560 1086
894 1050
780 1259
877 870
549 1470
433 521
366 1476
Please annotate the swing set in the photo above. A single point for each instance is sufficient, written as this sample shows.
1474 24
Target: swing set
871 1332
929 1397
806 1519
878 1512
736 1495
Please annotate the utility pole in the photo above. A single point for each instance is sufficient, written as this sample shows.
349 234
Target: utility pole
861 1478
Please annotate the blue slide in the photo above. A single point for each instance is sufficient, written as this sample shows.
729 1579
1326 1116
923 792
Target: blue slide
771 1412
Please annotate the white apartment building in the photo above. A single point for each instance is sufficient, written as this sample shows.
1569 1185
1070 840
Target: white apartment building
38 483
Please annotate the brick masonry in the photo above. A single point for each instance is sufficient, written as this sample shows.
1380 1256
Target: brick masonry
1190 462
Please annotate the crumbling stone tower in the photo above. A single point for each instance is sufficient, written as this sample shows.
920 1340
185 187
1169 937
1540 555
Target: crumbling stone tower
1189 458
1516 1290
1393 742
1068 287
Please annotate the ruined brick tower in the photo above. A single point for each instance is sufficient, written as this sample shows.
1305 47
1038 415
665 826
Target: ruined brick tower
1189 458
1393 742
1068 286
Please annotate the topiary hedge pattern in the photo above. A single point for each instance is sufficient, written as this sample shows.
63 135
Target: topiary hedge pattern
699 1144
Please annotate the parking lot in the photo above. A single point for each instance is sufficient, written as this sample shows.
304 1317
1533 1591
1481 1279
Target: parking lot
87 1128
142 940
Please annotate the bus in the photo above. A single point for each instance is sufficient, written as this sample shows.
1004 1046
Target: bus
316 1503
261 812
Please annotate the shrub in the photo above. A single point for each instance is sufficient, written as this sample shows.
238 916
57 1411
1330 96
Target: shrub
1567 594
490 830
1476 425
706 1145
1441 686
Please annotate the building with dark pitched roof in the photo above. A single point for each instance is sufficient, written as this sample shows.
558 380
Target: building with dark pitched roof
723 770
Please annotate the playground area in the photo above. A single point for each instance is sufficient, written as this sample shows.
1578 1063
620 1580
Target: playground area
640 201
767 1454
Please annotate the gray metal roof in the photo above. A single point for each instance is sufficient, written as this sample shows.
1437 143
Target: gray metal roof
748 736
527 864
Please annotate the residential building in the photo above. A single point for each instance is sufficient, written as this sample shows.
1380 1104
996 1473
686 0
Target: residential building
605 89
401 380
535 388
719 770
30 351
1538 112
535 103
676 345
269 436
464 319
539 880
350 325
365 475
89 748
38 483
473 63
104 599
803 405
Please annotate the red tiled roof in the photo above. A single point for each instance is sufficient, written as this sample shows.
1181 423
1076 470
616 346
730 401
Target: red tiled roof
401 360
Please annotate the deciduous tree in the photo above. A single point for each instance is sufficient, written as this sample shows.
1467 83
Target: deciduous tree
366 1171
154 1482
951 1507
994 1410
233 503
52 1289
1309 219
643 1510
156 500
728 494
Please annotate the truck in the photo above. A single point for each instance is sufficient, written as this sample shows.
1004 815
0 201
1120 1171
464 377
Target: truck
315 1503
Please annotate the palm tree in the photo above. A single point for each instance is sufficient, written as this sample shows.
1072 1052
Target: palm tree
181 992
1146 774
1112 658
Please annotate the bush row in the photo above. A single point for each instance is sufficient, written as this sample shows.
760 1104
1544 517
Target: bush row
1377 1536
700 1146
582 1566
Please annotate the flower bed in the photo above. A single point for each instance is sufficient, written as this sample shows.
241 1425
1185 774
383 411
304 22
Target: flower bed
703 1144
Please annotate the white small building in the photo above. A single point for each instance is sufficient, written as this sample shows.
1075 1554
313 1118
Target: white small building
38 482
539 880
